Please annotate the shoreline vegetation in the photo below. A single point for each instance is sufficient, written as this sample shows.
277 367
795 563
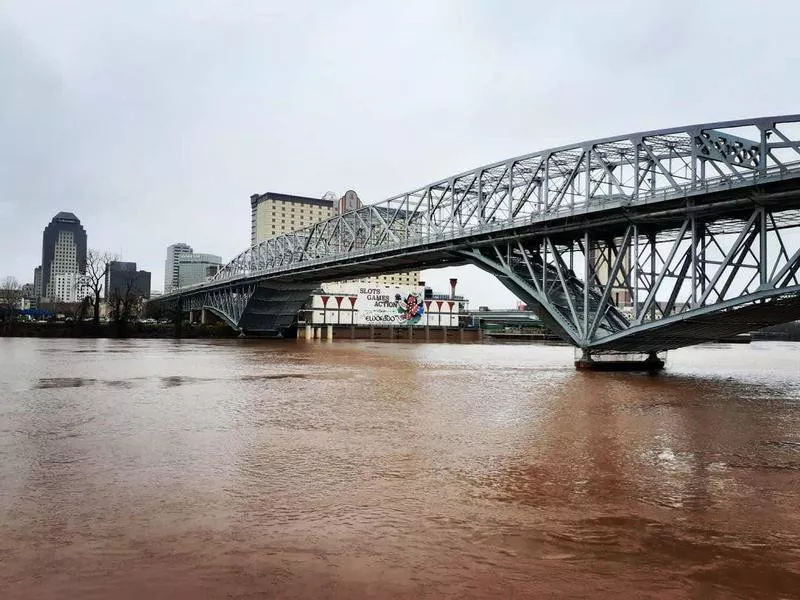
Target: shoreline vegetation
115 330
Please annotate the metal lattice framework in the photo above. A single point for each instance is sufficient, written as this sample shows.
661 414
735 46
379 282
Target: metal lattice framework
652 289
673 224
228 303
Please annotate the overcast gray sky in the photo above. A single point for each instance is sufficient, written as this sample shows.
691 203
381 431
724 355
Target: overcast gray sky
154 121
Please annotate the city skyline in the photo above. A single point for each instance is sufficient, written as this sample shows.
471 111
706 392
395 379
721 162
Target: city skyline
63 273
101 126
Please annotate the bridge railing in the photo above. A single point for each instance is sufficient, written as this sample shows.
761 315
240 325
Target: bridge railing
598 203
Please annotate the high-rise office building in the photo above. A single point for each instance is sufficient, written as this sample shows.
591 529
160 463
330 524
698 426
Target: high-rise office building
621 290
63 258
171 265
196 268
37 282
272 214
123 279
68 287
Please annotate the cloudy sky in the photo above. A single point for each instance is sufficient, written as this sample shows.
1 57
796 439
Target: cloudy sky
154 120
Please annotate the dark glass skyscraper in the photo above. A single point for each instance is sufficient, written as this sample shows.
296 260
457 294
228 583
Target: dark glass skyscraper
63 251
122 279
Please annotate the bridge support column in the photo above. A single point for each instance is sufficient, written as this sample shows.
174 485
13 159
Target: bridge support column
427 333
309 332
329 333
622 362
203 317
410 333
178 316
191 317
372 332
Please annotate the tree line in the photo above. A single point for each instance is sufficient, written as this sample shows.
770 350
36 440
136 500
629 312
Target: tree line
124 301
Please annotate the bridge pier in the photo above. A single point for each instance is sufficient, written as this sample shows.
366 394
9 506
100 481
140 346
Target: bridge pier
309 332
621 362
329 333
178 318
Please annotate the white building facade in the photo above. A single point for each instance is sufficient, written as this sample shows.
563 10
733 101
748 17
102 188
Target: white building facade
174 252
66 284
384 306
68 287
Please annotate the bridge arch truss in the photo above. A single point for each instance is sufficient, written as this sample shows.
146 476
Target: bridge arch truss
646 240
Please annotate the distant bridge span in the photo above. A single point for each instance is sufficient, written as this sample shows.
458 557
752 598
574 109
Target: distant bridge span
695 229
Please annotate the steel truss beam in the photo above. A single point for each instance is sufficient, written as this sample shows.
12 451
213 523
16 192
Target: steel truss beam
228 303
639 282
708 209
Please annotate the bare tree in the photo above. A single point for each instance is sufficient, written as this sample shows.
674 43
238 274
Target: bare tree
125 302
97 264
10 294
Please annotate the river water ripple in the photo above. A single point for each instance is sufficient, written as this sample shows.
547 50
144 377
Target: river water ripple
251 469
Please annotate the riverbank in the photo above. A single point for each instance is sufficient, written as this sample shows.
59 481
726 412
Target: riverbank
788 332
113 330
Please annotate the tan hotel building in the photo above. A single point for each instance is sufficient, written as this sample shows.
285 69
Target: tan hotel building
272 214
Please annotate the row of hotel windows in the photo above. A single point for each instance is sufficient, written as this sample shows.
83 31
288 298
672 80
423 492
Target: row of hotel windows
315 214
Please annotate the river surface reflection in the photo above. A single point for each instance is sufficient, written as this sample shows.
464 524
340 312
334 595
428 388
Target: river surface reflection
248 469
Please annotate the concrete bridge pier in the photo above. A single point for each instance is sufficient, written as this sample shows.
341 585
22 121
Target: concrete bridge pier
622 362
329 332
178 318
309 332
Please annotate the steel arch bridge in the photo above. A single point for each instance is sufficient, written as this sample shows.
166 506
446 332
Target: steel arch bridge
634 243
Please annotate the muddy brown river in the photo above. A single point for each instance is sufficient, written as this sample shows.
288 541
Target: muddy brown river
244 469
